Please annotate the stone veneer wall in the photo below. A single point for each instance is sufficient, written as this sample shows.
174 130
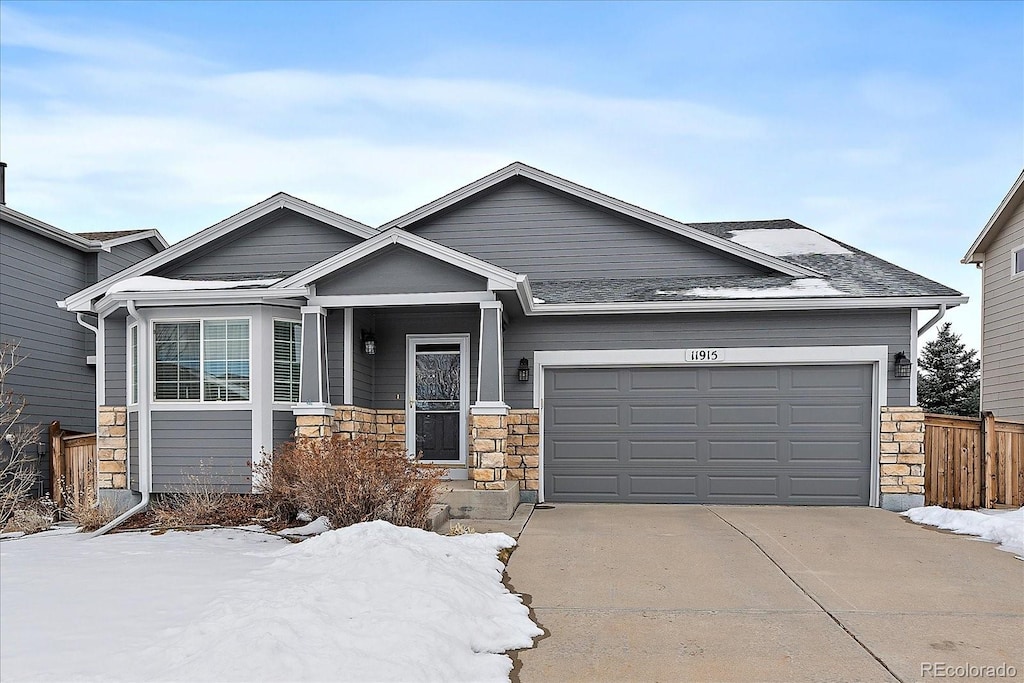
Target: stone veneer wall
522 456
901 457
112 447
488 438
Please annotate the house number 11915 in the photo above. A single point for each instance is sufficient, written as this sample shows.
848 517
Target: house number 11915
703 355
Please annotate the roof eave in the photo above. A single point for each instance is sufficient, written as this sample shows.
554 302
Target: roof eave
739 305
976 254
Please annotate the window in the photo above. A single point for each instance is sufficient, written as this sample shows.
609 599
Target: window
287 349
1017 262
133 364
217 369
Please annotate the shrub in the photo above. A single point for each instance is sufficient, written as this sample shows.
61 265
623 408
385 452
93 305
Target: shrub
203 505
348 481
17 468
88 513
32 516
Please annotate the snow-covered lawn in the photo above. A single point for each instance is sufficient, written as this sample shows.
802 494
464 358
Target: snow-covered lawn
372 602
1003 527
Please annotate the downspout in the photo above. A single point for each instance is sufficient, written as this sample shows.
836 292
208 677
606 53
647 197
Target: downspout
143 446
934 321
914 346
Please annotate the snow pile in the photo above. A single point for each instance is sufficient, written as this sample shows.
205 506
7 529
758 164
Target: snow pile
801 287
152 283
787 241
371 602
317 526
1004 528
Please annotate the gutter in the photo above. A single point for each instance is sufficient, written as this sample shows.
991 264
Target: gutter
143 446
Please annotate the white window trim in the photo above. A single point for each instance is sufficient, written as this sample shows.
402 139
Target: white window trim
273 379
1014 273
877 356
151 388
133 367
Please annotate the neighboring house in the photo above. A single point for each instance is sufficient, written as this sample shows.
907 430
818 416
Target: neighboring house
39 265
536 337
999 252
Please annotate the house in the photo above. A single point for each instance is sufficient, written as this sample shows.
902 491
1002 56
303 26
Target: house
39 265
542 340
999 252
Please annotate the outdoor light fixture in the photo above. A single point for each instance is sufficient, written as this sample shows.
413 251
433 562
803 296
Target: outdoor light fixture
524 370
901 365
369 343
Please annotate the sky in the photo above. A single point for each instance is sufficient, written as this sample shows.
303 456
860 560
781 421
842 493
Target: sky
894 127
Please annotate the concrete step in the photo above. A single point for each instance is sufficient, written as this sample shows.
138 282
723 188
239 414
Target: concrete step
437 517
465 502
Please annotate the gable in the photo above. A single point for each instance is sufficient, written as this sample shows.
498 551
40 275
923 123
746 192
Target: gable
399 270
275 245
528 228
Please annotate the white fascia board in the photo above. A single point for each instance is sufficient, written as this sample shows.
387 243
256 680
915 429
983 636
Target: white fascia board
1010 201
80 301
152 235
524 171
703 306
498 278
45 229
201 297
412 299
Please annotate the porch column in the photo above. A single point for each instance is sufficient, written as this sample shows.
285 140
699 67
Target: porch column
488 416
314 412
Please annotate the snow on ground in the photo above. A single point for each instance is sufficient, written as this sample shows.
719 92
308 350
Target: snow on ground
1003 527
808 286
371 602
787 241
152 283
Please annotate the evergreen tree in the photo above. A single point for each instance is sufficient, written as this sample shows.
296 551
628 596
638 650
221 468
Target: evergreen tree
950 381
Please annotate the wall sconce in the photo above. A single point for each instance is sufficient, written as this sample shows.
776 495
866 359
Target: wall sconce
524 370
901 365
369 342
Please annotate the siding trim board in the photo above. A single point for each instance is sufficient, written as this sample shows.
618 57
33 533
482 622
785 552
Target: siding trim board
876 356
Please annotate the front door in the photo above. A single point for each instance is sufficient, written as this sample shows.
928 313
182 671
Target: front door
437 391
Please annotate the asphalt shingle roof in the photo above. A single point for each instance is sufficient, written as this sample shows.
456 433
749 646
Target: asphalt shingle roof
112 235
857 274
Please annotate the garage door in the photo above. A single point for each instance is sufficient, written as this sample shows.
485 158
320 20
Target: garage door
793 435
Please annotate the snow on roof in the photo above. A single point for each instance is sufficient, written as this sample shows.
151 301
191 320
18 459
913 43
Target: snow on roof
787 241
803 287
152 283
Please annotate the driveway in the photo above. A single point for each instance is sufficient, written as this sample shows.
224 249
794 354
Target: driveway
728 593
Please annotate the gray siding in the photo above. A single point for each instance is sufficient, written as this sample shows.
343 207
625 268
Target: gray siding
392 326
530 229
55 380
667 331
284 427
398 270
336 354
133 450
115 362
281 243
122 256
208 446
362 365
1002 345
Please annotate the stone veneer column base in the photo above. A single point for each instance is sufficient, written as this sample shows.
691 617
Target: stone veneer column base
488 435
112 448
522 457
901 458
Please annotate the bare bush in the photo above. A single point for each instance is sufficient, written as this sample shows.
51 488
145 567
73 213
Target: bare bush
87 512
203 505
17 469
348 481
33 516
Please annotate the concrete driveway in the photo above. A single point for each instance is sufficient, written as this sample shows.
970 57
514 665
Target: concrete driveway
722 593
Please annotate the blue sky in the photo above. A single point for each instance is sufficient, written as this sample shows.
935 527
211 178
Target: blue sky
894 127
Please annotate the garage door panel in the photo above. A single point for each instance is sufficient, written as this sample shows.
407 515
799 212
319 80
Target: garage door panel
586 380
723 434
720 414
723 378
655 380
570 450
663 415
679 451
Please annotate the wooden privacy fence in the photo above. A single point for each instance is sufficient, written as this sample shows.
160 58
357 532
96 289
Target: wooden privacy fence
972 462
73 467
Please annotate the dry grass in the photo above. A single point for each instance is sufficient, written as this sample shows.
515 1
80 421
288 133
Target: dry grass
348 481
32 516
203 505
88 513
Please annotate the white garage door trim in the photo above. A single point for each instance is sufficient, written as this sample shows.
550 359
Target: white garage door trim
877 356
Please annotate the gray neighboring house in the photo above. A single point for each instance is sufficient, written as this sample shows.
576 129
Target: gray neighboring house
39 265
540 339
999 252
